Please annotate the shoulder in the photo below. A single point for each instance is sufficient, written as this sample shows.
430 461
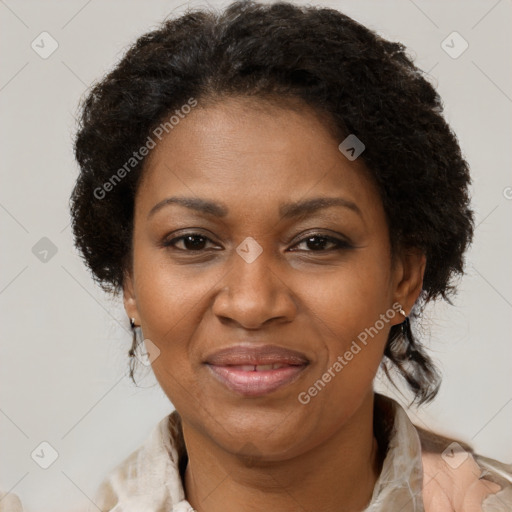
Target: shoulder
148 479
10 502
455 479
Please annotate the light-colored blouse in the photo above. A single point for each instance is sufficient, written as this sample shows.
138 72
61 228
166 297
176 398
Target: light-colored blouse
421 472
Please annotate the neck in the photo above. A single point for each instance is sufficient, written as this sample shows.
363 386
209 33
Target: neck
337 476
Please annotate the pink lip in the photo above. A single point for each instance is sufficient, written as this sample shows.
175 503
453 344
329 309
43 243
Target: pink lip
225 365
255 383
254 354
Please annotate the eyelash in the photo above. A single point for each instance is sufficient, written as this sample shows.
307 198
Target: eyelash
339 243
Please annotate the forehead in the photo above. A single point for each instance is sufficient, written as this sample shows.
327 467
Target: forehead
255 149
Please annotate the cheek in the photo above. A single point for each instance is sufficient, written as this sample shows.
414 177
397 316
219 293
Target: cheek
169 302
168 294
353 298
352 312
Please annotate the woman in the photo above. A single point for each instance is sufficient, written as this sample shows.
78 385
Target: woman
277 196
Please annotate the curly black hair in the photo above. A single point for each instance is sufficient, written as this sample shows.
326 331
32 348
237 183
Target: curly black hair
360 82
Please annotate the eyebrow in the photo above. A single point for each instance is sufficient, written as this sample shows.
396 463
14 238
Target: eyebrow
286 210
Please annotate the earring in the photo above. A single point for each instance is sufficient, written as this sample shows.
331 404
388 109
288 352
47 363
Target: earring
405 324
131 352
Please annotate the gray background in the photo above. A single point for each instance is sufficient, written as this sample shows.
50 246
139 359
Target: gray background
64 343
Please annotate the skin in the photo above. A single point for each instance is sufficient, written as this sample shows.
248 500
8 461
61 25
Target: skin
269 452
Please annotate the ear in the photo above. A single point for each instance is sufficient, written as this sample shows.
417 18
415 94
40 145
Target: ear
129 299
409 271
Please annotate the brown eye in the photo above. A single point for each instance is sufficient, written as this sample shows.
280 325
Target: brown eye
191 242
318 243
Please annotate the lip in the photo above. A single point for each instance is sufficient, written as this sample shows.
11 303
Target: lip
235 368
237 355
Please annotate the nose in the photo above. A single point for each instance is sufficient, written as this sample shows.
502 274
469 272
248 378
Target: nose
254 293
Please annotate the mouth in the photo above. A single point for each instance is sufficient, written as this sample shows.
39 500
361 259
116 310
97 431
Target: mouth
256 371
256 380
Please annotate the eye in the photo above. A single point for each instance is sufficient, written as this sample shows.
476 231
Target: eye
191 242
317 243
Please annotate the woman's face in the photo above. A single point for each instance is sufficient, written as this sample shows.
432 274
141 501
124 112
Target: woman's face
245 265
